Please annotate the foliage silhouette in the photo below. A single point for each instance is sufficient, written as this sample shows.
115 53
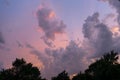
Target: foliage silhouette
107 68
62 76
82 76
21 71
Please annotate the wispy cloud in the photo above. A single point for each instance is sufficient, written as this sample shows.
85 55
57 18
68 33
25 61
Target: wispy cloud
116 5
2 41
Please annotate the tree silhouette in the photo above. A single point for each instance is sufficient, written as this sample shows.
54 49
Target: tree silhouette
21 71
62 76
107 68
82 76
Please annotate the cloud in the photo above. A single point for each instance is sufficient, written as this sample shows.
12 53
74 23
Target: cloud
29 46
88 26
2 41
116 5
19 44
42 57
99 36
4 48
49 23
73 59
6 2
110 20
1 65
48 42
98 39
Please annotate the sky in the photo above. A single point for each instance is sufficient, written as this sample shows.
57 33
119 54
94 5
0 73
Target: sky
57 35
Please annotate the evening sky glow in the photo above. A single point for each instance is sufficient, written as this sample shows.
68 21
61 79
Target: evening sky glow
58 35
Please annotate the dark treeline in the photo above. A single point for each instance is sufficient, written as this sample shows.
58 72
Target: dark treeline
105 68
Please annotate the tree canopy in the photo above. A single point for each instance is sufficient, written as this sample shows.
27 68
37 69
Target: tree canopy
105 68
21 71
62 76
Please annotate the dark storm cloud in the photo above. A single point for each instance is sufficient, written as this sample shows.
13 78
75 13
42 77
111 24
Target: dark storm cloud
49 23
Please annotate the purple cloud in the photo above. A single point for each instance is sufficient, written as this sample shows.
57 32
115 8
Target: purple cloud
49 23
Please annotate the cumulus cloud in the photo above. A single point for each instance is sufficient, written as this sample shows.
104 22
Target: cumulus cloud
98 39
49 23
73 59
99 36
88 26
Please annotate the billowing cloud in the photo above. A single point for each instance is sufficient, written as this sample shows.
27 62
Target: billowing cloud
88 27
49 23
98 34
100 37
73 59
